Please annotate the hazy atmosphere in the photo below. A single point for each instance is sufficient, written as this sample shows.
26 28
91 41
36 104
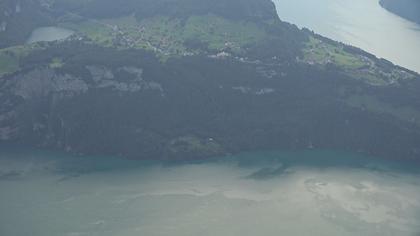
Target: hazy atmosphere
209 117
251 194
362 23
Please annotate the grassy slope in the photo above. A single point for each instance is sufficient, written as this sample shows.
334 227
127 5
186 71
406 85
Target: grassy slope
319 52
10 57
168 35
8 64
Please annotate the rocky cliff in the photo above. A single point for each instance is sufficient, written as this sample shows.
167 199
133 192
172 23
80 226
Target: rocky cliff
175 85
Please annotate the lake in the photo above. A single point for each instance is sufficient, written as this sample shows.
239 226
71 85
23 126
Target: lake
48 34
314 192
362 23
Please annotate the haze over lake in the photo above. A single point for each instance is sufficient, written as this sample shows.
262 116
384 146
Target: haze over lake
362 23
270 194
48 34
176 87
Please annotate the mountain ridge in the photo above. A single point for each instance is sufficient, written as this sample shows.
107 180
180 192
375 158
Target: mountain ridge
408 9
171 85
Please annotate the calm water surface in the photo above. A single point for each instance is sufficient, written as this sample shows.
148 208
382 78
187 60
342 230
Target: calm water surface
362 23
270 194
49 34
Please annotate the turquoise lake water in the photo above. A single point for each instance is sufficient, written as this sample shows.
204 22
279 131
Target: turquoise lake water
311 192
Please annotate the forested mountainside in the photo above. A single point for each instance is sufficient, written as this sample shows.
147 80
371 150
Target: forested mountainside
189 79
18 18
408 9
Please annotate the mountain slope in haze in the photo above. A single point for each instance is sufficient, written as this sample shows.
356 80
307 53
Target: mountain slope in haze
408 9
18 19
189 79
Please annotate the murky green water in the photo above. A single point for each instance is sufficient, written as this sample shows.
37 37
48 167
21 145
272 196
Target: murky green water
271 193
48 34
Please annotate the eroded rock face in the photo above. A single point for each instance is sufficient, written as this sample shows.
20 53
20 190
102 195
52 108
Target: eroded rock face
42 82
105 78
18 9
25 91
45 105
100 73
7 133
198 106
3 26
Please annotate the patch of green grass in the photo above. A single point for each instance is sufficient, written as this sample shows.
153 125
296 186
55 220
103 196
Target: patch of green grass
370 78
10 57
97 32
56 63
220 33
358 67
8 64
166 36
162 33
319 52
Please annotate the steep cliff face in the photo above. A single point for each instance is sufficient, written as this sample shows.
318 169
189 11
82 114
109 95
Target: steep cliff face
408 9
206 83
31 99
200 106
